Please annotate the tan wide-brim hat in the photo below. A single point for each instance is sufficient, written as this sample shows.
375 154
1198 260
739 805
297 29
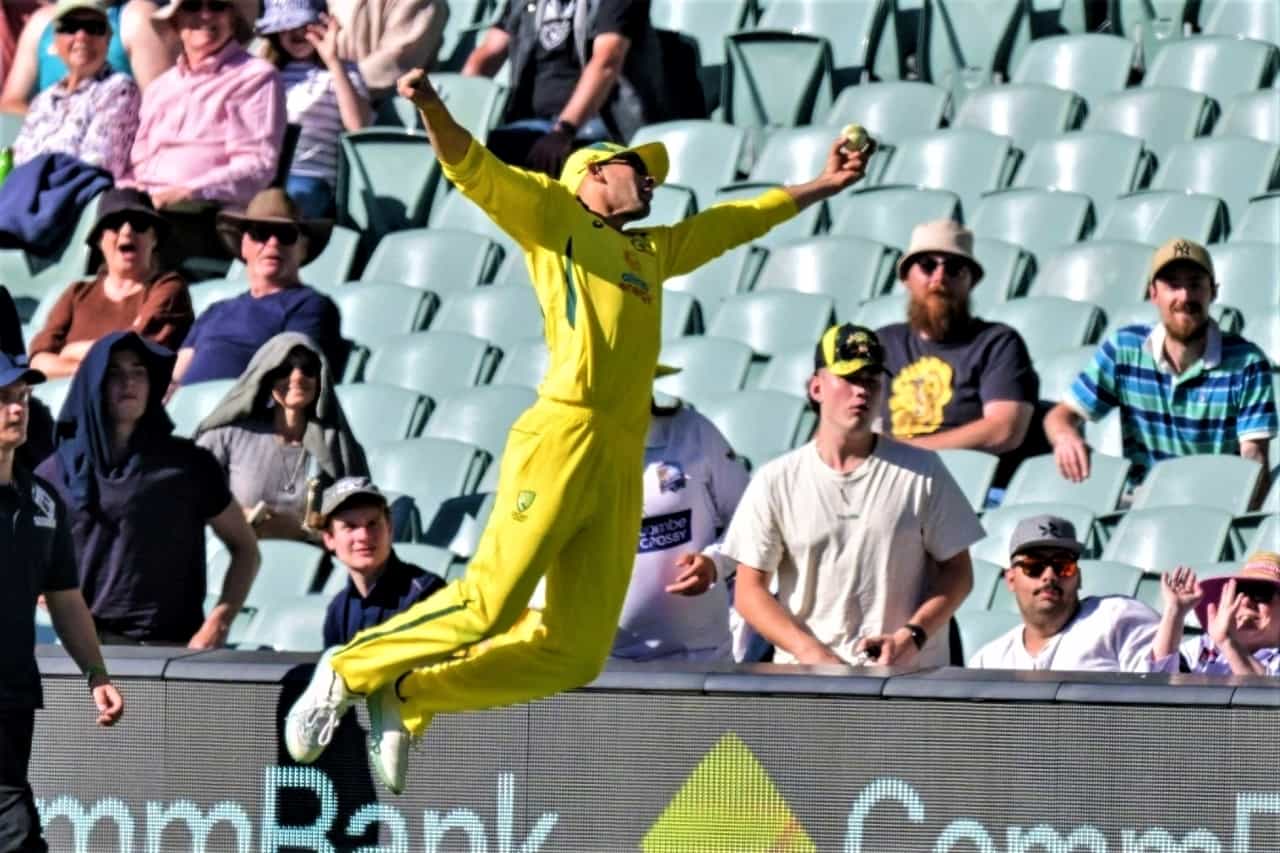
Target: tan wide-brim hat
246 11
273 205
942 236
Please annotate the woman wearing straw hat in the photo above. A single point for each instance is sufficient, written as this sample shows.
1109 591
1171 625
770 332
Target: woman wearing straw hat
1240 614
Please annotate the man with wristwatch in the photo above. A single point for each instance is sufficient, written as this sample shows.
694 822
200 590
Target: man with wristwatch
36 558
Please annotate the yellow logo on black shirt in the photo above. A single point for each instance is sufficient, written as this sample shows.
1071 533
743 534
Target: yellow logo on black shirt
921 390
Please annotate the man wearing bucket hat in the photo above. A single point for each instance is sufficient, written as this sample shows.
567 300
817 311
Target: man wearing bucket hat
1240 614
1060 630
37 553
568 501
958 380
274 241
1183 386
867 538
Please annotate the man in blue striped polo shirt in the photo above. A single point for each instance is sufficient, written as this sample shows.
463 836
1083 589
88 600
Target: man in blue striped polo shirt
1183 385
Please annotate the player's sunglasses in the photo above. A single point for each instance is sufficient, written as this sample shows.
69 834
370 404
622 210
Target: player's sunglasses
1259 592
1065 567
193 7
632 160
89 26
261 232
133 220
950 266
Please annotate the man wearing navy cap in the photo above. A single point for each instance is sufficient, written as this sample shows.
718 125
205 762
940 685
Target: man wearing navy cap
37 558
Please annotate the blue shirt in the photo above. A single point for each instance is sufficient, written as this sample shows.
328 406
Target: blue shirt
227 333
401 586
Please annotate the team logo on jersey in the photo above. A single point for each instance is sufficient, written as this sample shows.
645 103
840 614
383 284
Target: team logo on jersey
920 392
671 477
48 516
660 532
640 242
524 500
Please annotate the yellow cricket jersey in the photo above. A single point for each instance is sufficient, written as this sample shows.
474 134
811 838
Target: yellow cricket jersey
600 289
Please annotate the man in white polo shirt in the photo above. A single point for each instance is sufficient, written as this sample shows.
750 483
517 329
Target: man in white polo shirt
868 537
1060 630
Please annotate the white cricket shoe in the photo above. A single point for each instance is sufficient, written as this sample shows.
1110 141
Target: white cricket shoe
388 739
309 727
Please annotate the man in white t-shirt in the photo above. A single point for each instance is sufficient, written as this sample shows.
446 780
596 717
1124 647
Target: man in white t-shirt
677 606
1060 630
868 537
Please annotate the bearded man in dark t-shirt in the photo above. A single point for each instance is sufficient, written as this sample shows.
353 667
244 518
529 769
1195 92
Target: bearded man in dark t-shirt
958 381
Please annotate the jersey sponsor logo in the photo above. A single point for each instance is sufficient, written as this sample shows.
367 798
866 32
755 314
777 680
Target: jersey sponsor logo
557 23
631 260
636 286
671 477
920 392
48 516
524 500
660 532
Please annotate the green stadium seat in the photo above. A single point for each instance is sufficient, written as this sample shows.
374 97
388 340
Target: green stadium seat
986 577
681 315
1040 221
704 155
288 570
290 625
441 260
1161 538
1246 275
1049 324
773 321
1024 112
1267 537
759 425
52 392
427 469
386 181
476 103
887 214
1006 269
776 79
29 277
1254 19
1107 577
1218 66
719 279
881 311
330 269
499 313
432 363
10 127
1263 328
966 162
378 412
1059 370
1159 116
1145 22
373 310
1000 522
973 471
964 43
1090 64
707 22
1099 164
1261 220
456 211
458 524
848 269
979 627
793 155
708 365
891 110
670 204
1037 481
1106 436
1233 169
465 21
481 416
802 226
1255 115
191 404
1208 480
863 33
788 372
1104 272
524 362
1154 216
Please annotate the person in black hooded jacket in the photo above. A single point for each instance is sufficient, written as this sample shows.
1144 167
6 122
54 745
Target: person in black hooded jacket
39 443
139 498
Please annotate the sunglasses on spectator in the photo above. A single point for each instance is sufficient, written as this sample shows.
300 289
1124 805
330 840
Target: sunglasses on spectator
285 234
89 26
133 220
1259 592
194 6
950 266
1065 567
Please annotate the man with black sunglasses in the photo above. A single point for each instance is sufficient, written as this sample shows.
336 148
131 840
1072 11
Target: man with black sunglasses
1060 630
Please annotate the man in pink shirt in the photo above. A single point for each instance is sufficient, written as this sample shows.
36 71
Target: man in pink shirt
211 127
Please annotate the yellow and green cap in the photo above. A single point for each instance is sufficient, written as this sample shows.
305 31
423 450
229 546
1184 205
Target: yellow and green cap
652 154
845 349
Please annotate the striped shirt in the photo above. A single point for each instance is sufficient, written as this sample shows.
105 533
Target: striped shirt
1222 399
312 103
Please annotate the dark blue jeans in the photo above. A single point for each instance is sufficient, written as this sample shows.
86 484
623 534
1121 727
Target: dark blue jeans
314 196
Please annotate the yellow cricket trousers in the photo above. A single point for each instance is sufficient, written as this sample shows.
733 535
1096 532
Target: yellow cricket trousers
568 506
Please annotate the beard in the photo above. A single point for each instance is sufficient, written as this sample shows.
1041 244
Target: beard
939 315
1187 326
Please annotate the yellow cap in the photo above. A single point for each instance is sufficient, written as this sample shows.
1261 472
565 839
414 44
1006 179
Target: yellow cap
652 154
1180 249
845 349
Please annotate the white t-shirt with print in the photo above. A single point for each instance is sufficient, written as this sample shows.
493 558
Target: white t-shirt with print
851 551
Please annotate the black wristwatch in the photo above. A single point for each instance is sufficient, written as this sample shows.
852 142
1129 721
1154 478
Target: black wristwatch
918 635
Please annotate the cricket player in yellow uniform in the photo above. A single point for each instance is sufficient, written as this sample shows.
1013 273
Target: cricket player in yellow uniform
568 503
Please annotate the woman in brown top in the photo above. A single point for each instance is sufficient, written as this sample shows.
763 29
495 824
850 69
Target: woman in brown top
130 293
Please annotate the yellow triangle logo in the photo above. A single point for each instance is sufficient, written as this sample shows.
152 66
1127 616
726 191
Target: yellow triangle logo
728 805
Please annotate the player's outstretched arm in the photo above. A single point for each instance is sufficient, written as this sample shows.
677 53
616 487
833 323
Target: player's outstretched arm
844 168
449 139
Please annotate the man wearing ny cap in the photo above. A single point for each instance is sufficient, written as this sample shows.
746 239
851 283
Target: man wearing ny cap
868 538
568 501
958 380
1060 630
356 529
1183 386
38 558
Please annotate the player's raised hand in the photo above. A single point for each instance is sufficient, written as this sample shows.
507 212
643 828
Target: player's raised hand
846 166
416 86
